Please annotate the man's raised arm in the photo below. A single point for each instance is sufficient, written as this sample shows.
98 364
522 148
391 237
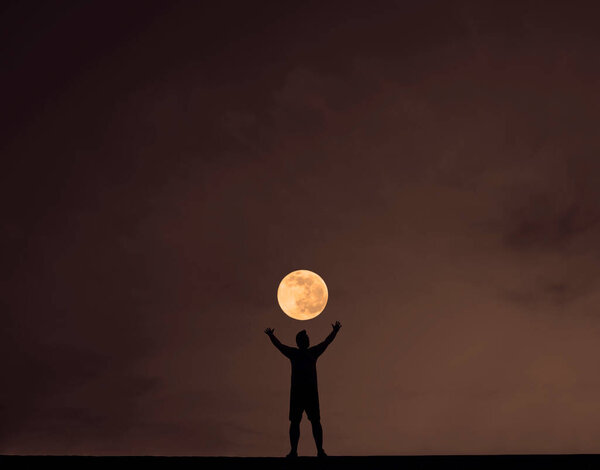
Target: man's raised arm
285 350
321 347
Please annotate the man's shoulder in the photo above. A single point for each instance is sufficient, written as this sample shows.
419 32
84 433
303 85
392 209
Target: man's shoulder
302 354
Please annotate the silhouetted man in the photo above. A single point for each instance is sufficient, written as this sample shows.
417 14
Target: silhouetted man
304 393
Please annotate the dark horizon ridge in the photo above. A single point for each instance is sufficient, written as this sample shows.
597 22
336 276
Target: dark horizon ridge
512 461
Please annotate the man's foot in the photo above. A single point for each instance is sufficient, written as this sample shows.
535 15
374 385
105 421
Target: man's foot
321 453
292 455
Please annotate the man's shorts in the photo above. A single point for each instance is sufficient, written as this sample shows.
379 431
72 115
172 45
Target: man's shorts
308 404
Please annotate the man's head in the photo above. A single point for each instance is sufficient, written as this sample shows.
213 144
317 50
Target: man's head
302 340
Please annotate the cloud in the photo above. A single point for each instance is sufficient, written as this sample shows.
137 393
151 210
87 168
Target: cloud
548 222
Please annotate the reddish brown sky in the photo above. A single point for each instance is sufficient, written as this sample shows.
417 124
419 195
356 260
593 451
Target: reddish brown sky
166 164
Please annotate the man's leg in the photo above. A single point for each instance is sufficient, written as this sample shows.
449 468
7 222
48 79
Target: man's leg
294 437
317 430
315 419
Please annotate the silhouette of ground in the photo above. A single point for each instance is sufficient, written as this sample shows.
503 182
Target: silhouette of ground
474 462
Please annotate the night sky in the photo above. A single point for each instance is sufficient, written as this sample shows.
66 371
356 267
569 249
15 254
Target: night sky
166 164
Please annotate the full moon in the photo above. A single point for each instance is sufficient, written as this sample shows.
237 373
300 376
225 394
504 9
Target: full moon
302 294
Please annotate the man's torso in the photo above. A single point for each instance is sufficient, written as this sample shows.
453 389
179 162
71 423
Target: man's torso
304 373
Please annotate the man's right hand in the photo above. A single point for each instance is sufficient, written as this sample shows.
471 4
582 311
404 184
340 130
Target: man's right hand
336 327
269 331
